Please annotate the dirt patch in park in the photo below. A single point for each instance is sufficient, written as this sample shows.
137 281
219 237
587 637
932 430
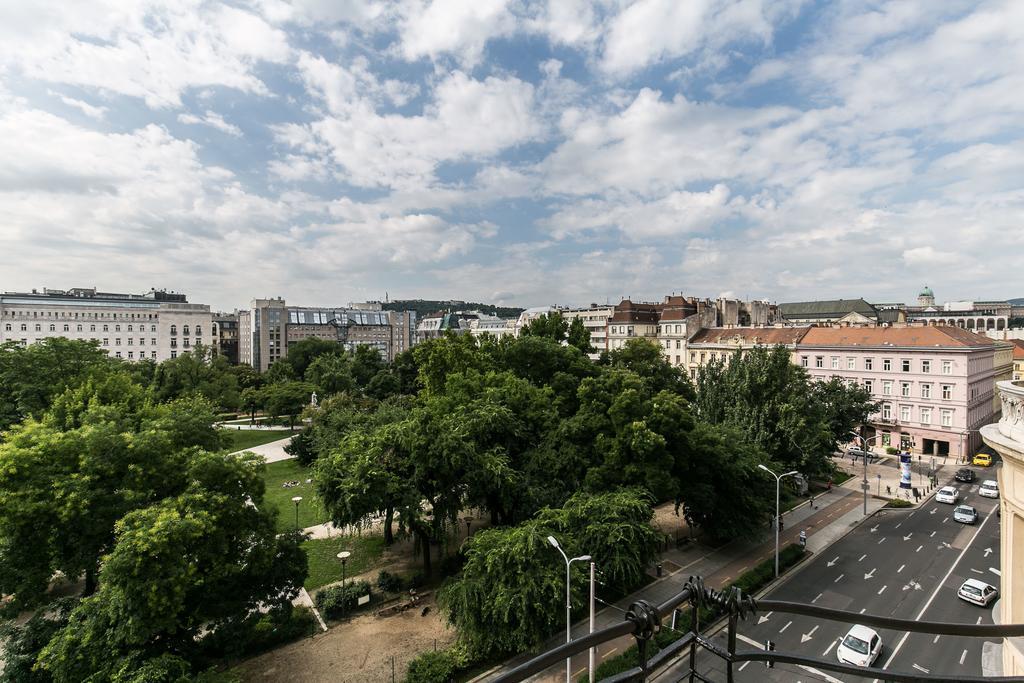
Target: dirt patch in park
360 650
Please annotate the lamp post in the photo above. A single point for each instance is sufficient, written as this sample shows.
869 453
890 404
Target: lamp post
343 556
778 485
864 446
568 600
297 500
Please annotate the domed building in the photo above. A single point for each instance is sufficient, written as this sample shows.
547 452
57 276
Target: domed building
926 299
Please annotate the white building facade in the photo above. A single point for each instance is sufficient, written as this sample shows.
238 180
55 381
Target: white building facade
154 326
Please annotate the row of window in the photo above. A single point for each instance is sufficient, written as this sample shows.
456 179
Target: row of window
679 344
142 355
106 328
869 364
87 315
924 414
906 388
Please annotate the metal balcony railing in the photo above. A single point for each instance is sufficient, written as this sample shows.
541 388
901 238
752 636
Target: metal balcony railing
643 620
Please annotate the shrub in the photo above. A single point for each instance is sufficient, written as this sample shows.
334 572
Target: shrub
258 632
891 451
390 583
441 666
224 417
335 601
899 503
301 446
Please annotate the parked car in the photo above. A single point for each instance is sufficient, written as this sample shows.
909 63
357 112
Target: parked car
947 494
977 592
860 647
965 474
965 514
989 489
856 453
982 459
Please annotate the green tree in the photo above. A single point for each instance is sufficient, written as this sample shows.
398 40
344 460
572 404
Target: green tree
579 336
251 400
331 374
550 325
287 398
155 601
841 407
301 354
437 358
22 644
366 363
279 371
645 358
201 372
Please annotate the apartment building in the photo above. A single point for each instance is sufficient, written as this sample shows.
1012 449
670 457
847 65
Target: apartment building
1018 358
595 318
225 332
633 319
157 325
719 343
935 383
269 326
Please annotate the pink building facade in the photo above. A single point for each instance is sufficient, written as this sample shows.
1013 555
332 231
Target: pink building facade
935 384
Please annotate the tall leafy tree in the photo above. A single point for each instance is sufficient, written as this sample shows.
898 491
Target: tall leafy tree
202 372
550 325
301 354
578 336
287 399
645 358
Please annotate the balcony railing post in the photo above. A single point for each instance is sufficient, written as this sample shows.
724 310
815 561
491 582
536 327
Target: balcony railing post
647 622
733 620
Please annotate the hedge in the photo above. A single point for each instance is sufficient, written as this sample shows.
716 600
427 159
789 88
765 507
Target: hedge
440 666
749 582
337 601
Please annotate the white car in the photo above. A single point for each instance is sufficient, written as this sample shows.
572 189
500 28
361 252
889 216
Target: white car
860 647
965 514
977 592
989 489
947 494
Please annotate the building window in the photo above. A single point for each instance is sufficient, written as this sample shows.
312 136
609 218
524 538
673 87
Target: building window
117 328
851 363
117 341
869 386
174 343
926 366
92 328
142 341
693 373
835 362
904 388
174 329
106 328
117 354
886 387
153 341
905 413
926 391
947 391
693 356
24 327
199 331
906 365
184 329
947 367
67 328
886 411
152 354
947 418
702 356
819 361
152 328
679 344
174 354
868 363
803 361
7 327
106 341
131 355
130 340
53 328
886 438
886 364
926 416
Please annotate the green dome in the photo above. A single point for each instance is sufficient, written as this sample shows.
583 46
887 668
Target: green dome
927 291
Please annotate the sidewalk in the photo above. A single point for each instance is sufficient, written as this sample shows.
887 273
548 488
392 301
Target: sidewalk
835 512
271 452
883 475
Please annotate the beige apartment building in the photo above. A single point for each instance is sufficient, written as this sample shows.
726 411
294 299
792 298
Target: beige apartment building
595 318
719 343
156 326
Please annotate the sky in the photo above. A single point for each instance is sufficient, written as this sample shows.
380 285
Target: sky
513 152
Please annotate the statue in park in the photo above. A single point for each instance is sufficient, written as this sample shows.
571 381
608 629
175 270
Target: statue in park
312 400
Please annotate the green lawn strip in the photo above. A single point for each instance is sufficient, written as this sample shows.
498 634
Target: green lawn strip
324 565
749 582
278 496
241 439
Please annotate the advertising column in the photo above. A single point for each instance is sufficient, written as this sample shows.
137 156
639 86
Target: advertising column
905 471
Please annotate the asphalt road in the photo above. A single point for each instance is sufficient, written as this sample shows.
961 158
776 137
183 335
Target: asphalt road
906 564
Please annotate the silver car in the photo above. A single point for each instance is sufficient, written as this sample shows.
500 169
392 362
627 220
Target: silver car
965 514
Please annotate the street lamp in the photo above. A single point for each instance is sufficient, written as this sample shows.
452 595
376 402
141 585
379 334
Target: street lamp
778 485
864 447
568 601
297 500
343 556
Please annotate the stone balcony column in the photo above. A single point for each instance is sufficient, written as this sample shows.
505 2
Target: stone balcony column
1007 438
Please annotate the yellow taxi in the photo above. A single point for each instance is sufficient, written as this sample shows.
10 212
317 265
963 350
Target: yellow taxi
982 459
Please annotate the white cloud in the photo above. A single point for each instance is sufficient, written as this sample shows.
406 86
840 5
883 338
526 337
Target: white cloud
457 27
929 256
213 120
84 107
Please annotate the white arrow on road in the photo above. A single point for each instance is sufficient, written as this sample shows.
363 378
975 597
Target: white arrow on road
907 537
988 551
874 528
913 584
832 563
934 510
945 544
763 618
804 637
870 574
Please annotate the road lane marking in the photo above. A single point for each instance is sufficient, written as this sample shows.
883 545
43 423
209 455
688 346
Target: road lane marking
995 571
862 557
898 525
804 637
839 578
938 588
935 640
881 540
932 535
921 668
578 673
819 595
609 652
882 589
918 548
781 630
743 665
963 656
945 519
977 571
863 610
829 648
979 620
901 568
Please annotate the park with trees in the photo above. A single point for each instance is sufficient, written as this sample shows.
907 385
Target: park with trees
109 469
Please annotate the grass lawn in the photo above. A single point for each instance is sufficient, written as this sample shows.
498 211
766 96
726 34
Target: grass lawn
311 512
247 438
324 565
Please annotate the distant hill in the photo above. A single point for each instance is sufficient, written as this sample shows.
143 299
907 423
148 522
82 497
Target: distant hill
426 306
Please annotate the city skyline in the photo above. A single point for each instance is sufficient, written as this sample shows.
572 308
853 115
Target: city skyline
511 152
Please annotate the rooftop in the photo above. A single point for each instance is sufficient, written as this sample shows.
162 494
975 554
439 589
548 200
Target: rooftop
834 308
750 335
938 336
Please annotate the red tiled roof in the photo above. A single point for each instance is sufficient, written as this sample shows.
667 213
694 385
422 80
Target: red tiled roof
751 335
925 337
1018 348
